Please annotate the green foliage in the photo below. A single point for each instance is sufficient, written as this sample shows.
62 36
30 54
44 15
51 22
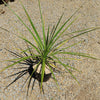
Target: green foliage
49 47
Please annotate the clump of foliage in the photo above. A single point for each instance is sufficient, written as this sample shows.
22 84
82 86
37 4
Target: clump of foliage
46 50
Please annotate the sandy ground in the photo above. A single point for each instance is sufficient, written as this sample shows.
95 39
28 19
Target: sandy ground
89 79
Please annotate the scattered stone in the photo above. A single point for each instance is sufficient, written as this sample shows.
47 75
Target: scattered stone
98 42
2 11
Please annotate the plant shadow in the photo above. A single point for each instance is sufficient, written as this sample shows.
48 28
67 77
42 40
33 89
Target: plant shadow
33 75
1 2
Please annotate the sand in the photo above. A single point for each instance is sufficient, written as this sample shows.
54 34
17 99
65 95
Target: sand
89 79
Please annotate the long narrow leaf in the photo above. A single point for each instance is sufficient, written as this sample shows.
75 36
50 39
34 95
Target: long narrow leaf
52 73
35 68
65 30
65 66
35 39
30 43
82 30
38 37
64 58
53 33
78 35
47 37
66 23
71 45
22 59
44 38
85 32
76 54
43 70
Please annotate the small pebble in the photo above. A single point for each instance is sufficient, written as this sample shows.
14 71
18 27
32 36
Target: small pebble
98 42
2 11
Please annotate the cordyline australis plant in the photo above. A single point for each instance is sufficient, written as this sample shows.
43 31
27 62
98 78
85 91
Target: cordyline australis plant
47 49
